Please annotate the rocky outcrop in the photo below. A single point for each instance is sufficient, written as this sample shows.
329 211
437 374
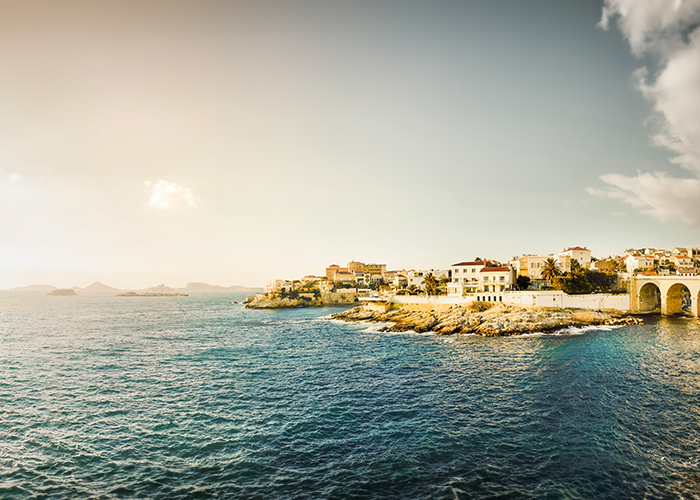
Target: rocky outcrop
262 301
265 301
482 318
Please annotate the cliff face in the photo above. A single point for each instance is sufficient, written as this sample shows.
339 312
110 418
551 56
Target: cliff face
499 320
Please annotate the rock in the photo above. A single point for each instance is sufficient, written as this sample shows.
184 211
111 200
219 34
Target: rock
497 320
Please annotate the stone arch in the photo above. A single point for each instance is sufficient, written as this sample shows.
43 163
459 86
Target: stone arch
649 298
678 299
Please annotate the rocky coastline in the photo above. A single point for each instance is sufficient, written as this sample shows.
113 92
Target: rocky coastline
265 301
262 301
480 318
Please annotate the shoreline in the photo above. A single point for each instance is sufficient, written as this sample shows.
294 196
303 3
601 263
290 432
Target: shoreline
481 318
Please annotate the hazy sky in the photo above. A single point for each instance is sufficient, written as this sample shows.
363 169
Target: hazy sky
167 141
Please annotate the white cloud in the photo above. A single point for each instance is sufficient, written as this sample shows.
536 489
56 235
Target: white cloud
651 25
670 31
169 195
9 177
656 194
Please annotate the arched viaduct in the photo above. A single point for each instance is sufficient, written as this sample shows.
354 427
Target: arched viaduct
665 294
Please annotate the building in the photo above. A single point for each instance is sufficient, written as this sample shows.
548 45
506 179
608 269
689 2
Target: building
275 286
682 261
400 281
529 265
333 269
476 278
370 272
465 278
344 276
416 278
634 262
496 279
582 255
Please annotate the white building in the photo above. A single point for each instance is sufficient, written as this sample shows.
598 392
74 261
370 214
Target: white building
277 285
634 262
465 278
399 281
682 261
485 283
416 277
582 255
496 279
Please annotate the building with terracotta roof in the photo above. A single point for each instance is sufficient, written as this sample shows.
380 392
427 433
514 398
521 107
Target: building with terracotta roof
496 279
582 255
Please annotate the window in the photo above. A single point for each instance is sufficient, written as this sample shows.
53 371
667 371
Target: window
486 278
502 278
473 270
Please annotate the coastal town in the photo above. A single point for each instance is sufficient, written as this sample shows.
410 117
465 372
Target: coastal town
645 280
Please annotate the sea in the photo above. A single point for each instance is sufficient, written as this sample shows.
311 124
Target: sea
196 397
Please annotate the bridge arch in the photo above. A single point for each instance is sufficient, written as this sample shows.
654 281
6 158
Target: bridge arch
679 300
649 298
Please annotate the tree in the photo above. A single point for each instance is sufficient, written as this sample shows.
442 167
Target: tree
585 281
551 269
442 285
522 282
431 284
576 267
573 283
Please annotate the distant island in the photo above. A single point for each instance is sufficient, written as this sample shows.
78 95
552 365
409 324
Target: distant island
62 291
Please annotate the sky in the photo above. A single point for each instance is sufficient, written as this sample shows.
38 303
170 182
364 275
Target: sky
168 141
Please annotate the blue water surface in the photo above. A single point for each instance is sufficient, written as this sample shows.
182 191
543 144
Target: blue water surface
196 397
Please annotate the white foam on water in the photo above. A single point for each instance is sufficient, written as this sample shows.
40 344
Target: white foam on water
570 331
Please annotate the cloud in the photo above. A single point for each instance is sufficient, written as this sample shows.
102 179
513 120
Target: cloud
168 196
10 177
656 194
668 30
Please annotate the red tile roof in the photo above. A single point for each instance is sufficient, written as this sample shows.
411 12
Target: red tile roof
480 263
574 248
494 269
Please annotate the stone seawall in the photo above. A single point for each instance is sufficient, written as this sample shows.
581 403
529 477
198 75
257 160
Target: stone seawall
482 318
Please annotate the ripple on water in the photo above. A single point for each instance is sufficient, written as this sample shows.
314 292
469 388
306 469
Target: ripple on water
106 398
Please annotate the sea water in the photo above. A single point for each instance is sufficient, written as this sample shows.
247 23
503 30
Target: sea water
196 397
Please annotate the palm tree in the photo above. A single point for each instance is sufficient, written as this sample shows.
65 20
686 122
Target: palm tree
442 285
551 269
431 284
